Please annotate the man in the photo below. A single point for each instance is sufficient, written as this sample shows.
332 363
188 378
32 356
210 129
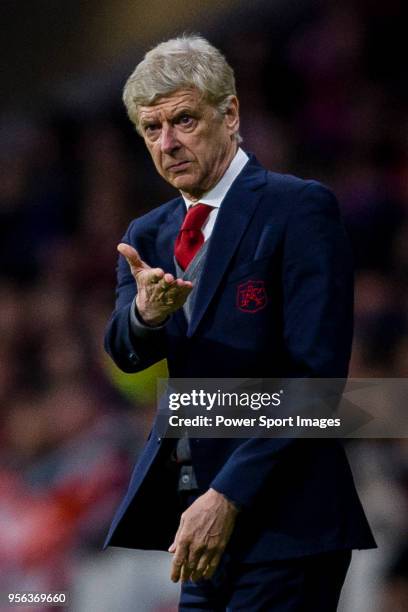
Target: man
246 274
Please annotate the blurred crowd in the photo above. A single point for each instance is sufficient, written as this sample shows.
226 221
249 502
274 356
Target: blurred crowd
324 96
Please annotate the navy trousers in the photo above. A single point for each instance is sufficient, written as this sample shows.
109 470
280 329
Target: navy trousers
306 584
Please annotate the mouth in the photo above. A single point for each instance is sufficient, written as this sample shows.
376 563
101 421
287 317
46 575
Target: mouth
178 167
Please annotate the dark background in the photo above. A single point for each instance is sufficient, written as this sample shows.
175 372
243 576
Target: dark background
324 94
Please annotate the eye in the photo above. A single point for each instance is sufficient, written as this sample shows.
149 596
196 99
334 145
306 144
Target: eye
185 120
151 131
151 128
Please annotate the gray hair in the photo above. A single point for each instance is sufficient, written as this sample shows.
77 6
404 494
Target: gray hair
179 63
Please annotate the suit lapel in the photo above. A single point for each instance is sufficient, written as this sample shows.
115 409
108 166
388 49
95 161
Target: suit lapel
233 217
167 238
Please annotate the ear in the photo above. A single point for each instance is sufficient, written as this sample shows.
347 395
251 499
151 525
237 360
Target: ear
231 116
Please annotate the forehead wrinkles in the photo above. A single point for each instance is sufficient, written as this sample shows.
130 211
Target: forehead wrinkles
169 105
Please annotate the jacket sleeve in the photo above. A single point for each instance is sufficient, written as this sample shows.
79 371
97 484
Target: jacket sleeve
132 347
317 282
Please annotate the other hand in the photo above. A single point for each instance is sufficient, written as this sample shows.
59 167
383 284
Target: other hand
204 531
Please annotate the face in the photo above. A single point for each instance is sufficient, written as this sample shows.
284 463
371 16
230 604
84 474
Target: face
190 142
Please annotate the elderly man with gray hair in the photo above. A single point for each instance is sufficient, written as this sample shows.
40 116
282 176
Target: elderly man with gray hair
246 273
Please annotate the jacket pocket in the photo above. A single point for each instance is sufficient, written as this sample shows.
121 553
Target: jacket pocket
256 267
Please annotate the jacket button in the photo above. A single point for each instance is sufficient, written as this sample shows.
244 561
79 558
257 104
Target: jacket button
133 357
159 440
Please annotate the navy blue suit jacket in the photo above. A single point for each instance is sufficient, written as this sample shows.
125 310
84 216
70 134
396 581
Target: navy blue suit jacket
297 495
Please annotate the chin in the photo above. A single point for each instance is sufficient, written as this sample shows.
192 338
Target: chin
184 183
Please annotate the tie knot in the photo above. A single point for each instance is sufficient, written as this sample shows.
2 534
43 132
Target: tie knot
196 216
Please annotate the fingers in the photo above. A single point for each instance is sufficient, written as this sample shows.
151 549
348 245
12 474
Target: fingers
172 548
178 562
168 280
185 573
185 565
132 256
195 558
170 290
191 563
202 538
198 567
182 283
159 293
201 565
181 569
154 275
211 567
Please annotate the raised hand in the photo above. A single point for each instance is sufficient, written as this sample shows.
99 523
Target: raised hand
158 293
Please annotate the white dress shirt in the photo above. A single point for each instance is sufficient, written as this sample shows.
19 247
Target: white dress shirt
215 196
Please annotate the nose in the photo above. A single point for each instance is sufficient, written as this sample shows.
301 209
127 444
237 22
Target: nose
169 142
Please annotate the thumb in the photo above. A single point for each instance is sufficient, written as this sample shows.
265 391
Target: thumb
172 548
132 256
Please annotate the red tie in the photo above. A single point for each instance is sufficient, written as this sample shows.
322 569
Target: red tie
190 237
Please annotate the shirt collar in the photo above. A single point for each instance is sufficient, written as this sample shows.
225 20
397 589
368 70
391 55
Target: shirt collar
215 196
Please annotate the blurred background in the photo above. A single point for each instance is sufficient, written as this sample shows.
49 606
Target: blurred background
324 95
